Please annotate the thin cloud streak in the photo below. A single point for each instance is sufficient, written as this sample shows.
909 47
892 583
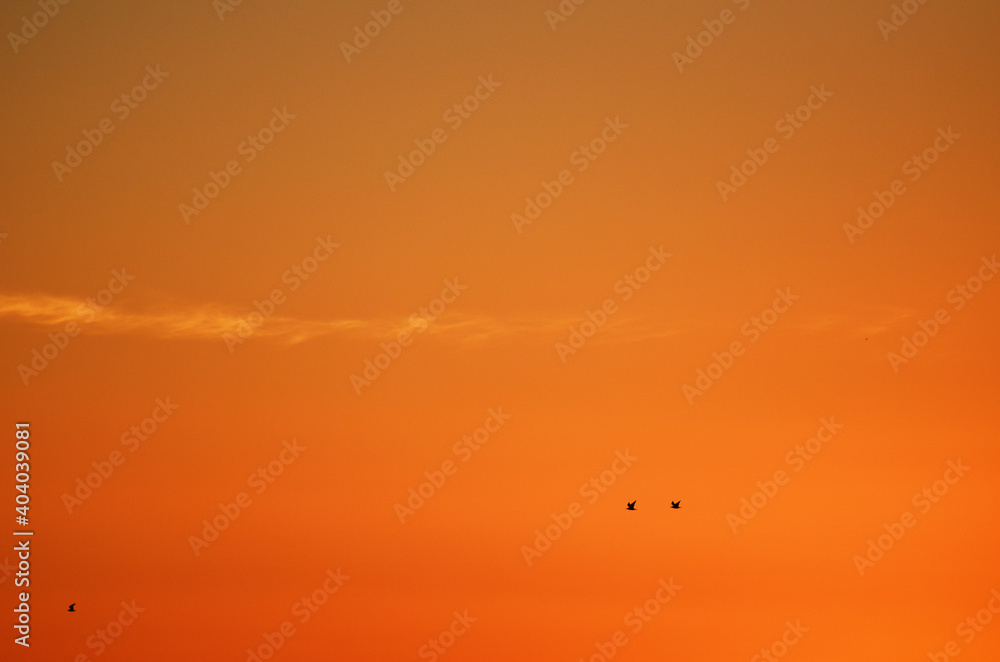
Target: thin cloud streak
196 323
211 323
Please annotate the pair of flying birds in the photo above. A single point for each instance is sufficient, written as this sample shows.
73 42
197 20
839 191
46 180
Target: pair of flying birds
673 504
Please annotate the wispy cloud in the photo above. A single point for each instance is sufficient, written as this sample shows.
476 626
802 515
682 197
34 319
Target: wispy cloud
869 322
208 322
202 322
211 322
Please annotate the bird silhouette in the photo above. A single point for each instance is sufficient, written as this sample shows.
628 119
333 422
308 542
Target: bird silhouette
675 504
631 506
71 607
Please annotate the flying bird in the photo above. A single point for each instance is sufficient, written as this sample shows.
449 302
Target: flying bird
631 506
675 504
71 607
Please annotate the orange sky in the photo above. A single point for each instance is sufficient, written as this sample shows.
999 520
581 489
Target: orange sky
475 298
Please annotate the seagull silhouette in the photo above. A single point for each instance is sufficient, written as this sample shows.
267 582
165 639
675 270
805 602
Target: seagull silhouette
675 504
71 607
631 506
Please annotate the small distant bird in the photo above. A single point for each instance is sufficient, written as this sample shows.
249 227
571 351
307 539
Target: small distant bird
675 504
71 607
631 506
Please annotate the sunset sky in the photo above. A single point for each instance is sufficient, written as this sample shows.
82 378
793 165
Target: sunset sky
255 261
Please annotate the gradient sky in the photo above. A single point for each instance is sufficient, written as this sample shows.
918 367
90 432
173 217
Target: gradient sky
495 346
